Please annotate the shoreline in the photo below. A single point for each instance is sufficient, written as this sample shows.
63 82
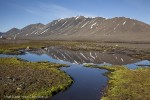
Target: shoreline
77 46
29 76
130 50
122 79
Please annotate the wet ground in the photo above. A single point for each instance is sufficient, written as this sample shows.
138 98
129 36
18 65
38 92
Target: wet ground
88 82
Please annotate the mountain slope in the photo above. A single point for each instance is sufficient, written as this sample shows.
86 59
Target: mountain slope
85 28
1 35
11 33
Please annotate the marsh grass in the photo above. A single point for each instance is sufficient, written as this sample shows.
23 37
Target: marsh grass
19 77
31 79
142 56
14 47
126 84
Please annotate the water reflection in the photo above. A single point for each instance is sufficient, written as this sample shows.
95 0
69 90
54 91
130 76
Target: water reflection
88 81
80 57
143 63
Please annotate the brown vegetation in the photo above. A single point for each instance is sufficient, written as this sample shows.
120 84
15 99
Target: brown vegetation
30 79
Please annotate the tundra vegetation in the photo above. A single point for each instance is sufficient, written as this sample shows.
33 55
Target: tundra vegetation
31 80
26 78
126 84
14 47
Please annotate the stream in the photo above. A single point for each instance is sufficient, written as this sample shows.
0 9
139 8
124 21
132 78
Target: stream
88 82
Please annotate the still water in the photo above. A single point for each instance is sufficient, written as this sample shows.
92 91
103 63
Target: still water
88 82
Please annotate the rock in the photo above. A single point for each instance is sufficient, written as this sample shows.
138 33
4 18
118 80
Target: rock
18 88
27 48
46 49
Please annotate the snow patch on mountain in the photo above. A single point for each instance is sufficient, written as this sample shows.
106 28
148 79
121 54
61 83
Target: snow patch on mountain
84 24
77 17
116 26
124 23
44 31
93 25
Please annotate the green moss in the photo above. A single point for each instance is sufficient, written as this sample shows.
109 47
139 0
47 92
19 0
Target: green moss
110 68
9 51
31 79
125 84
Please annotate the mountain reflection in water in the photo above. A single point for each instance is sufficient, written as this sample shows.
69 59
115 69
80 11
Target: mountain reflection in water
80 57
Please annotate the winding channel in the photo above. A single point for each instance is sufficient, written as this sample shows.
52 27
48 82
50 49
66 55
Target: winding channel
88 82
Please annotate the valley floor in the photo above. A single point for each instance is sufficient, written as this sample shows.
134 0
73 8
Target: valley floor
136 50
124 83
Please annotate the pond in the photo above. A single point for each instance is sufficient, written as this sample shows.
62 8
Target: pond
88 82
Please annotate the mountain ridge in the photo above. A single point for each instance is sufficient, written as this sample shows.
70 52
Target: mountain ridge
85 28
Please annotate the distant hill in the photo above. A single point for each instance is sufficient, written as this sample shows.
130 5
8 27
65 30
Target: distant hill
85 28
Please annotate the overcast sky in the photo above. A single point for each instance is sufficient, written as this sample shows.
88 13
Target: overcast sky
19 13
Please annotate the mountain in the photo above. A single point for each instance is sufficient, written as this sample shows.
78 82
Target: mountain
24 32
11 33
1 35
85 28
